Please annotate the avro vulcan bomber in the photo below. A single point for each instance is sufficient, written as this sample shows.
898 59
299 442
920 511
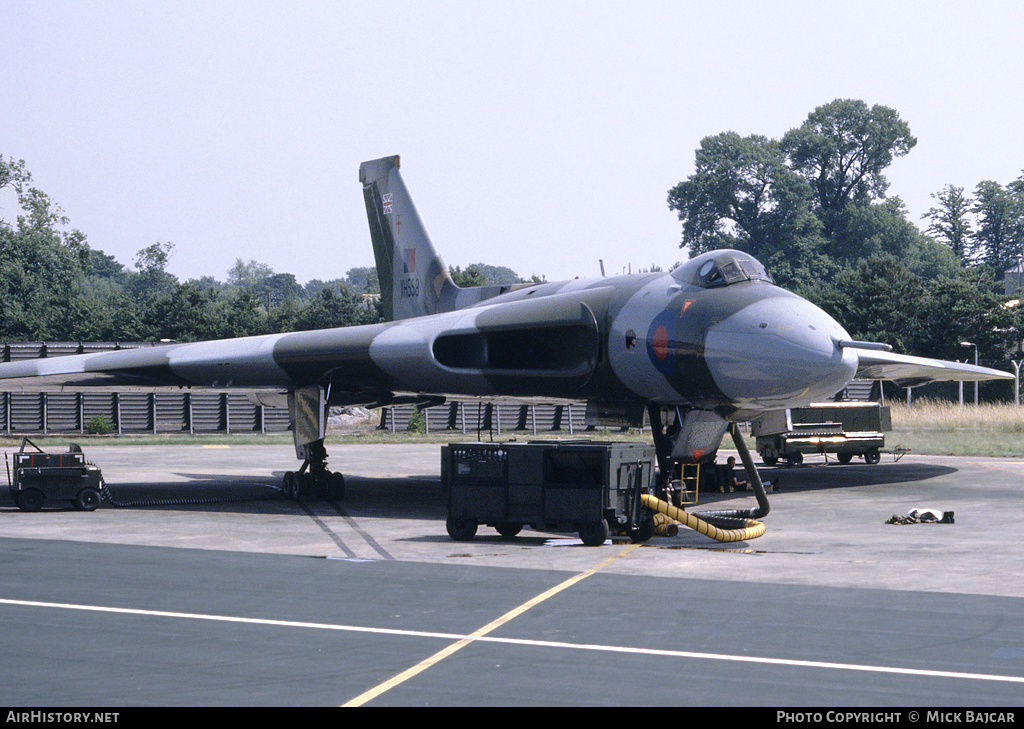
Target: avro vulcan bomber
712 343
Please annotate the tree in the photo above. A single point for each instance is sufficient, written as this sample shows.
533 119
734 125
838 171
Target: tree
363 279
496 275
335 307
122 321
841 150
963 306
279 288
42 263
248 273
743 196
880 301
873 228
999 235
259 278
53 286
106 267
153 279
13 175
949 222
801 203
246 315
469 278
186 314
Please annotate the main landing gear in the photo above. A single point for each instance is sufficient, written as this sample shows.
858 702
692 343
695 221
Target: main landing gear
308 409
313 480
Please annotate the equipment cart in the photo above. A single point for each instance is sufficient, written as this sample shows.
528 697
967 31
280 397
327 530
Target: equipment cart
40 477
585 486
846 429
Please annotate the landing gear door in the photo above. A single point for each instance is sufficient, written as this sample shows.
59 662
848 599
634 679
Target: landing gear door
308 408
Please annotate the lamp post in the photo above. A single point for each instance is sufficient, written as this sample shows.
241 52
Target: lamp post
1016 381
972 344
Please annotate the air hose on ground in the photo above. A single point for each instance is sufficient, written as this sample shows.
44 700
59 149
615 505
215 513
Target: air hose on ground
748 528
733 525
109 498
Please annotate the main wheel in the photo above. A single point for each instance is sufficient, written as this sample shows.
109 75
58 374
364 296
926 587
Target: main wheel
508 529
31 500
595 533
461 530
290 485
642 533
872 457
335 486
87 499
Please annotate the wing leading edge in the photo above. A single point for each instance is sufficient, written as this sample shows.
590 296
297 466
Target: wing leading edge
909 371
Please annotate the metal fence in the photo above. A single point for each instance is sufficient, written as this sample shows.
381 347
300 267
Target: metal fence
56 413
472 416
126 411
138 412
15 351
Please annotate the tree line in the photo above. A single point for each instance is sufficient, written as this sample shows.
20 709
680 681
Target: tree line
813 207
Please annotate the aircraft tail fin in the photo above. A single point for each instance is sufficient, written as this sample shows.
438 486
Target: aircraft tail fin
413 278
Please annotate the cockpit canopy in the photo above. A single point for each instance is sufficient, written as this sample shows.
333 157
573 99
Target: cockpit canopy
721 268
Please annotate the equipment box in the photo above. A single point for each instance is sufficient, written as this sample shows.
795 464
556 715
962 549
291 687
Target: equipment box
40 477
585 486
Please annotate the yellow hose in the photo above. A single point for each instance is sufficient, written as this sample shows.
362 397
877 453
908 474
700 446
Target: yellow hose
665 527
751 529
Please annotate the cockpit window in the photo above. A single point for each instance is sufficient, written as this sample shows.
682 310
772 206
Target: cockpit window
710 274
721 268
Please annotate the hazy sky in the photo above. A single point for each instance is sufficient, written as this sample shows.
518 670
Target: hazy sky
542 136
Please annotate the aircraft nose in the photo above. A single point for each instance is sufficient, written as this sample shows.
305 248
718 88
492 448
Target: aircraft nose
779 352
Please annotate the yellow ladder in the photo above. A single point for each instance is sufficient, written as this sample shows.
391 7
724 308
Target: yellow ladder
689 474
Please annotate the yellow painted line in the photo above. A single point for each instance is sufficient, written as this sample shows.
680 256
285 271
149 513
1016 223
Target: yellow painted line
999 467
493 625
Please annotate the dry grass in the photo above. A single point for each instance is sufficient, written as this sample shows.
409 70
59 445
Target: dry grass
944 428
949 417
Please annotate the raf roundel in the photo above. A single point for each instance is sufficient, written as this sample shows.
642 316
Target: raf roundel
660 347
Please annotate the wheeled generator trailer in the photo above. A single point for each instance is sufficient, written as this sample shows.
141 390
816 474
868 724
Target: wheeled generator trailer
588 487
845 429
39 477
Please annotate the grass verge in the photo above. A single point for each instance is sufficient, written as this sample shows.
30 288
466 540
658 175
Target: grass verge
941 428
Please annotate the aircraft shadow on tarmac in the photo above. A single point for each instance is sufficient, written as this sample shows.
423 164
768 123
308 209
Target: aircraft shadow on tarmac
422 497
410 498
418 497
817 476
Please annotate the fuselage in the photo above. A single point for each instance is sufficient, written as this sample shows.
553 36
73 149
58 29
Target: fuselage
714 334
728 341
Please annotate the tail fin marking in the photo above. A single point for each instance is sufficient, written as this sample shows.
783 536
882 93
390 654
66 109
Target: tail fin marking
413 278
